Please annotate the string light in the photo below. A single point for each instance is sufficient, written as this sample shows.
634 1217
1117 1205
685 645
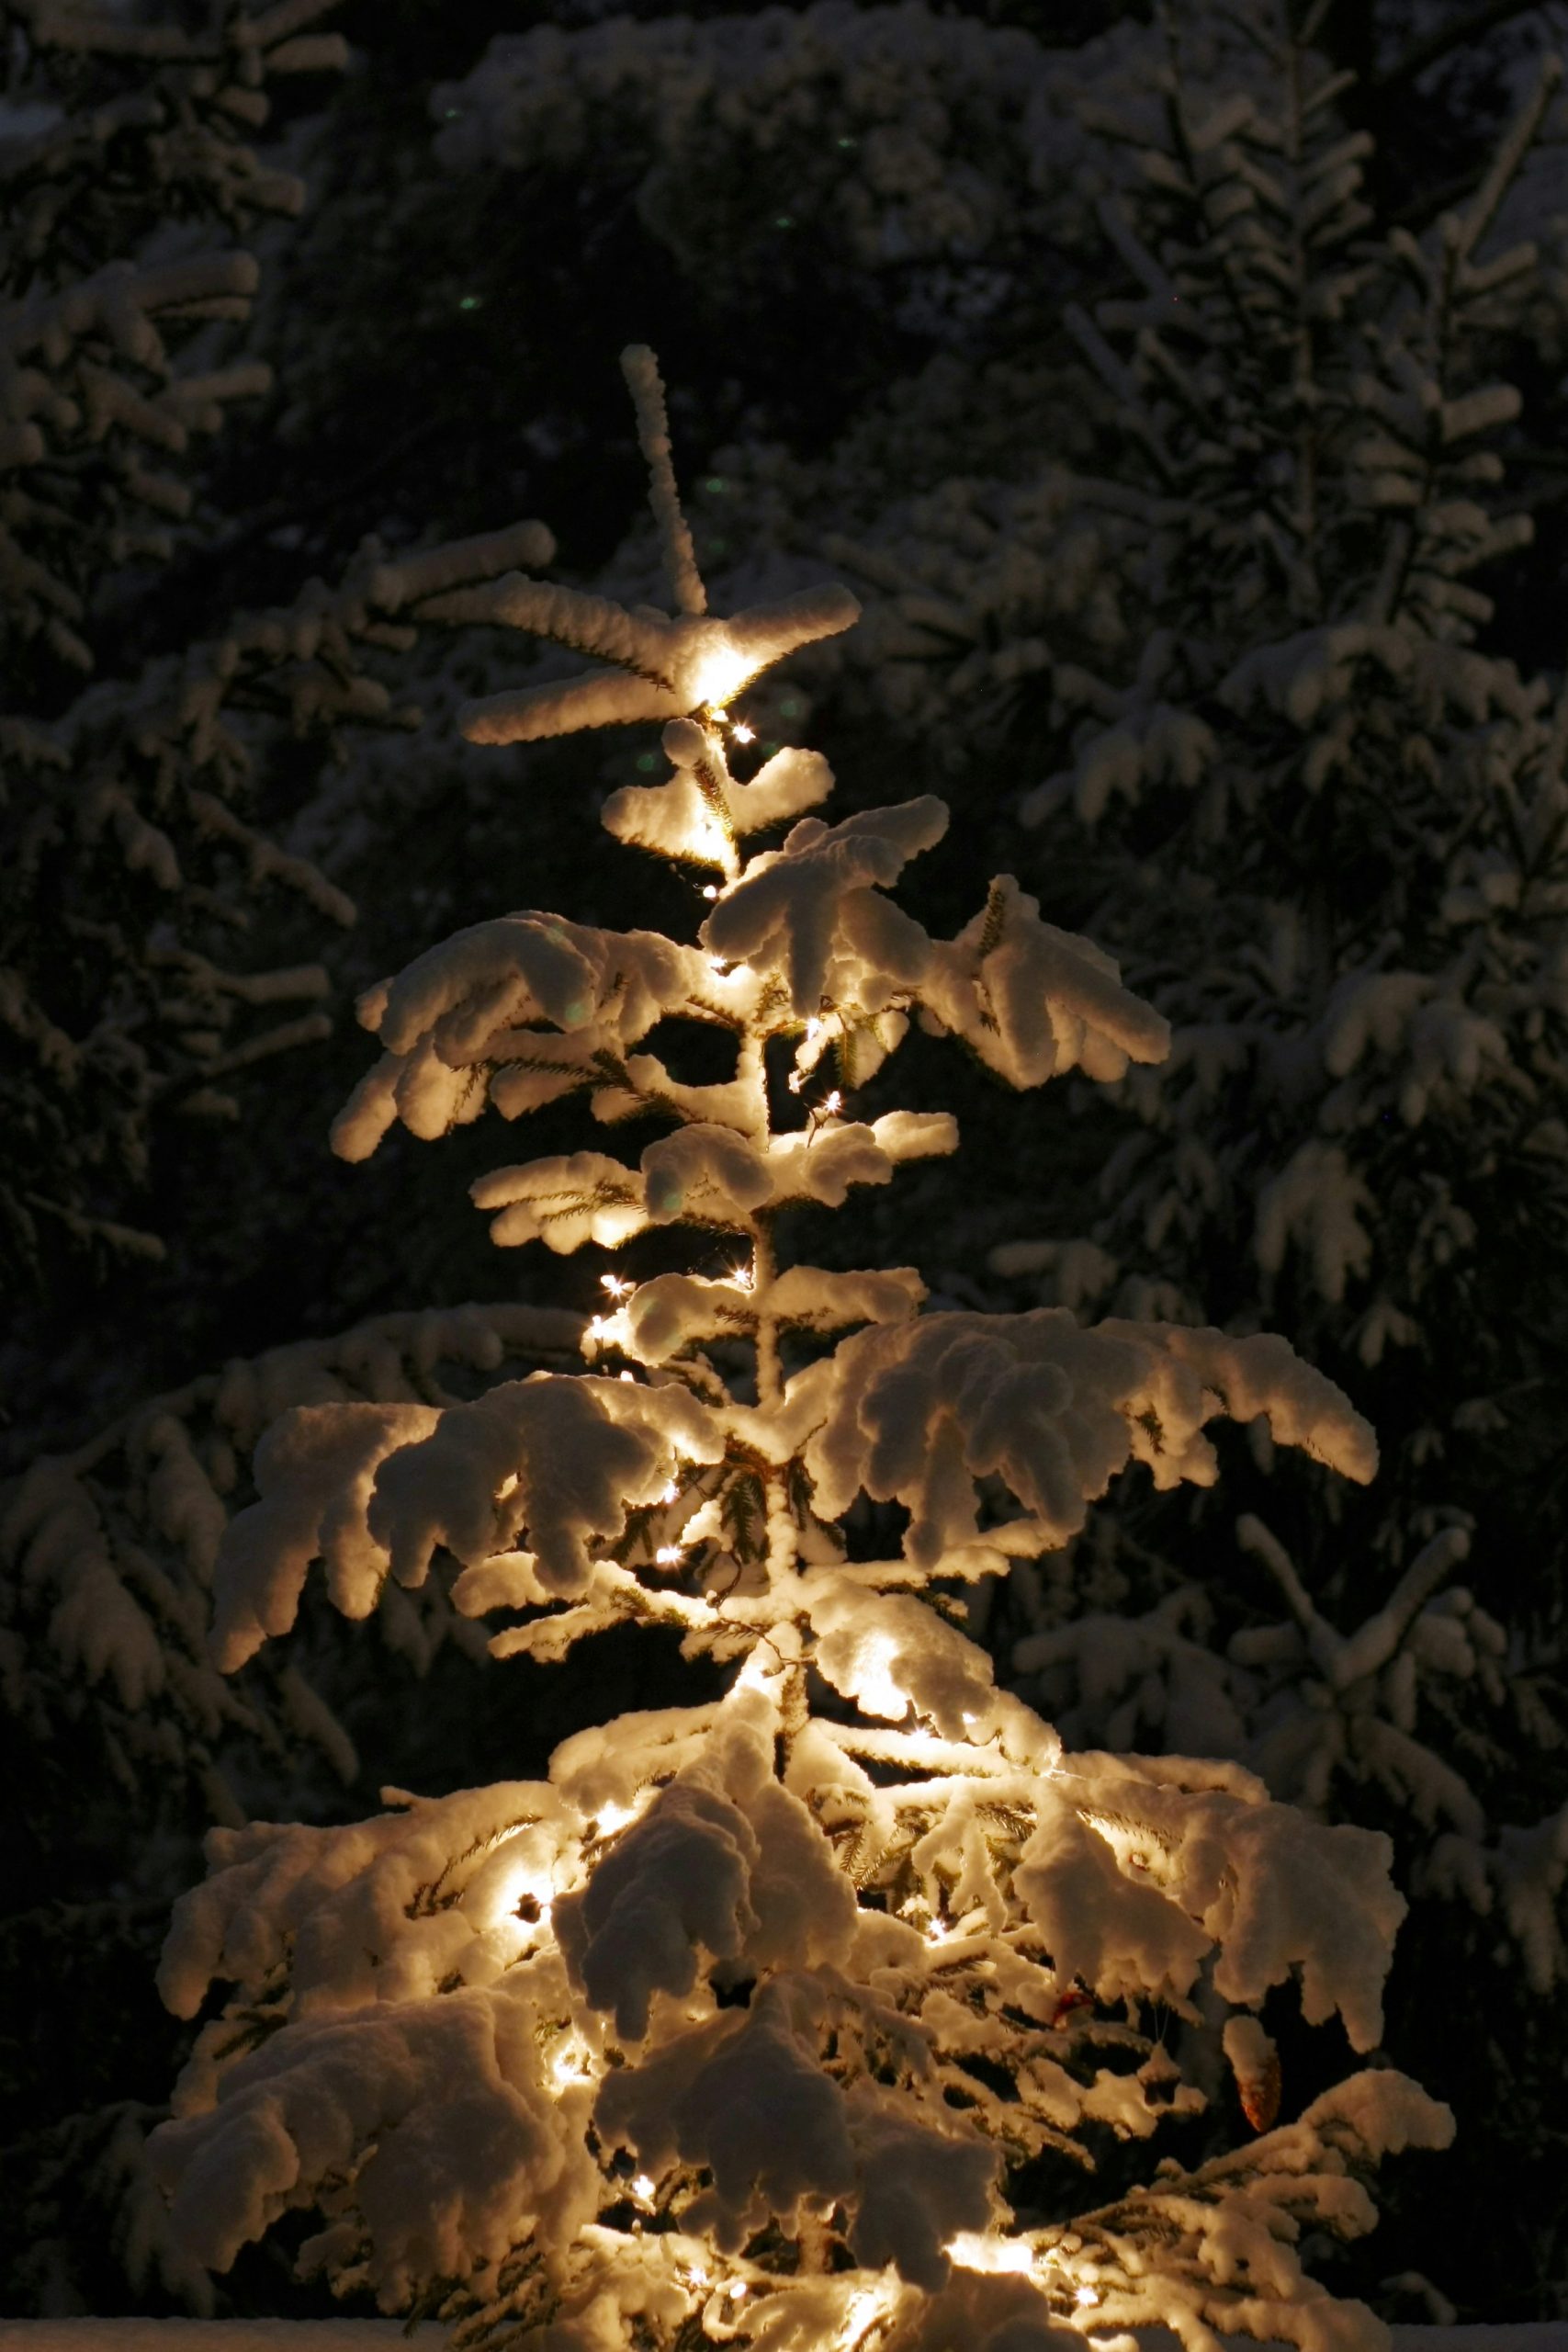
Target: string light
874 1687
710 889
670 1555
723 670
743 733
617 1287
970 2251
828 1109
569 2064
743 1277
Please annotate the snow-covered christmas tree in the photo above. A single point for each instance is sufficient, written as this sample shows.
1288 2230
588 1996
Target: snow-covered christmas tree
793 2017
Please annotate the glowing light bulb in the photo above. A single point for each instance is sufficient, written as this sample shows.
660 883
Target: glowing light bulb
669 1556
722 672
739 2289
671 1493
631 1376
642 2187
615 1284
743 1277
611 1818
744 734
569 2064
833 1104
971 2251
1085 2297
710 889
874 1687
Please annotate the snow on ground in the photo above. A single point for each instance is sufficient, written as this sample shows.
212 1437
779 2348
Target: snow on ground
371 2335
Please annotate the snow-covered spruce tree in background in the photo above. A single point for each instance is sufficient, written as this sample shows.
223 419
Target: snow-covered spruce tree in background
940 177
132 865
1324 820
1282 741
766 2019
1363 820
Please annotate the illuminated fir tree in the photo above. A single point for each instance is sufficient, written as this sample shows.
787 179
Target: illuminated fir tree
766 2019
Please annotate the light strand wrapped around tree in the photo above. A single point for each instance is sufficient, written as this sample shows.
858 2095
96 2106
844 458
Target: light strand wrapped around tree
765 2021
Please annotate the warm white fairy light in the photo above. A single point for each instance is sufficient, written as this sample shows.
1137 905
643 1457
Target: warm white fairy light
671 1493
569 2064
669 1556
617 1284
1085 2297
721 672
642 2188
710 889
610 1817
970 2251
522 1885
796 1081
743 1277
877 1691
743 733
832 1104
